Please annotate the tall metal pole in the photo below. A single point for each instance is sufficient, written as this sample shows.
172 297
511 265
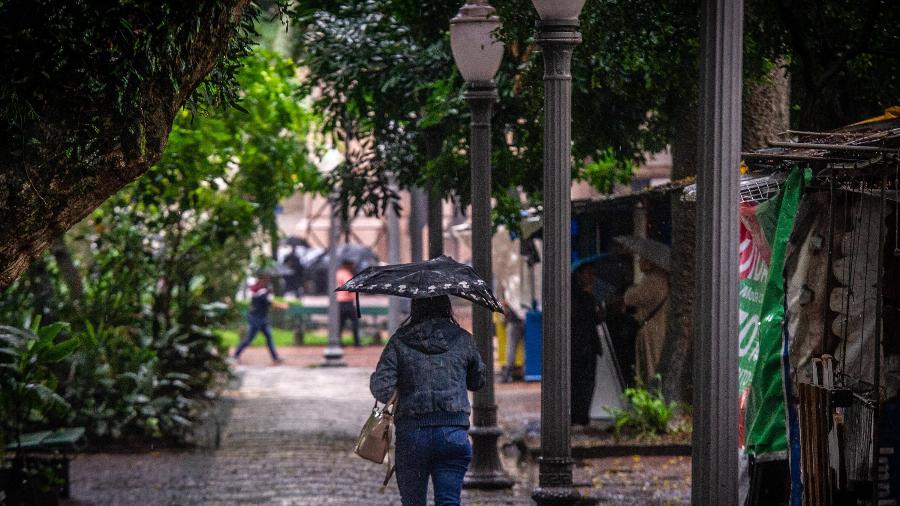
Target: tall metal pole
393 257
433 144
557 39
435 224
417 204
486 471
334 354
714 440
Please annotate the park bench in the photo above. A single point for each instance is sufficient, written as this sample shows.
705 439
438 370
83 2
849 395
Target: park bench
300 317
371 319
52 446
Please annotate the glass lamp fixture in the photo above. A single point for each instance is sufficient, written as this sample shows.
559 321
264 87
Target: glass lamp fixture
476 50
558 9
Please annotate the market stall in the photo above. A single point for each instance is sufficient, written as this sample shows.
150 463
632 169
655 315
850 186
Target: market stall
820 307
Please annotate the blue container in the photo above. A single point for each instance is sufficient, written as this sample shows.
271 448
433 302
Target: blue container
534 322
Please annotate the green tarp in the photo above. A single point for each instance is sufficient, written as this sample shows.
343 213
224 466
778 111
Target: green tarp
765 415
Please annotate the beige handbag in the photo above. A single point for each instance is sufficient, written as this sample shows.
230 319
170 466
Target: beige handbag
374 442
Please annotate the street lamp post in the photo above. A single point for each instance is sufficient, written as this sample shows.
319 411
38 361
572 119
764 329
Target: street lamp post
393 256
478 55
558 37
334 354
434 140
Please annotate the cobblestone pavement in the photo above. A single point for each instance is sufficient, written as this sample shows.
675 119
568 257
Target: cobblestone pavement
288 440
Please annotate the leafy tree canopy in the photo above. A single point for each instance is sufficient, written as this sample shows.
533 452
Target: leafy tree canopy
90 92
388 77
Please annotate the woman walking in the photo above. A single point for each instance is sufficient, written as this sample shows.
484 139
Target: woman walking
431 362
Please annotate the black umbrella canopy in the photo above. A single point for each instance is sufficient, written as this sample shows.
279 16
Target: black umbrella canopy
438 276
357 254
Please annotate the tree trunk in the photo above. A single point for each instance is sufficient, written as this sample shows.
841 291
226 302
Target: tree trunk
675 361
46 187
67 270
766 108
42 291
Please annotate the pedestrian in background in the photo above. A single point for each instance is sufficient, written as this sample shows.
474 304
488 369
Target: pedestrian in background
347 303
431 362
649 302
585 341
514 318
258 316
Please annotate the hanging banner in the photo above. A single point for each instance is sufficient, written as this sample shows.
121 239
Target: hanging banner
765 416
754 270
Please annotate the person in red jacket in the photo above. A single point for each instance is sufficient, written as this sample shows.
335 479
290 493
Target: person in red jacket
347 303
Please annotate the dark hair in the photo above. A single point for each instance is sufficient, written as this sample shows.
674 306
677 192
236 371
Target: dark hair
430 308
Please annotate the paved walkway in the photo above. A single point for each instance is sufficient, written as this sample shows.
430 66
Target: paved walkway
288 440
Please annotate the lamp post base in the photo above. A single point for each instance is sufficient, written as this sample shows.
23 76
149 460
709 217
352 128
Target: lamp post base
555 488
334 357
486 472
556 496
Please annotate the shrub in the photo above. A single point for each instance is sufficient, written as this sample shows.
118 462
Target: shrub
646 412
126 388
28 401
28 384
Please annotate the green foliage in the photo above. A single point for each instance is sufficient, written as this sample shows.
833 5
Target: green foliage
238 162
387 74
28 384
160 260
646 412
606 171
128 388
403 88
841 56
382 80
96 60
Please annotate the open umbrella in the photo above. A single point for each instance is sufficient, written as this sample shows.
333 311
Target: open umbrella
357 254
438 276
654 251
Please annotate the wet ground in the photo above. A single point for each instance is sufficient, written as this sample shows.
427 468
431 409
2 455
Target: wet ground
287 436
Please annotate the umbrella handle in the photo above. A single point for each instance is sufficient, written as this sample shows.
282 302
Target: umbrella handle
358 310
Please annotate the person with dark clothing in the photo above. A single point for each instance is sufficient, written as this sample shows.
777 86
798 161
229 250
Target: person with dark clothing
258 317
613 280
347 303
585 342
431 362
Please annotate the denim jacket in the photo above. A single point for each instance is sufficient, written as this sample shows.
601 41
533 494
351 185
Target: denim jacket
432 364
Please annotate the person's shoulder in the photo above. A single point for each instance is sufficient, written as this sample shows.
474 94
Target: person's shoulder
448 325
394 341
460 333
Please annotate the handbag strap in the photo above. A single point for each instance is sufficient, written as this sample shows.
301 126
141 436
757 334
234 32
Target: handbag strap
391 405
391 401
390 458
655 310
390 470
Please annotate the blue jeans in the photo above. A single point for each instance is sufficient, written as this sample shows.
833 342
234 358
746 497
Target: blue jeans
256 324
440 453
